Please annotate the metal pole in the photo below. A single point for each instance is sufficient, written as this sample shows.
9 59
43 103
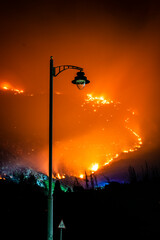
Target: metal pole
61 234
50 196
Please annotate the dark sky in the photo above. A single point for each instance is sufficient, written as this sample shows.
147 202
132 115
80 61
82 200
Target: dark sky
115 41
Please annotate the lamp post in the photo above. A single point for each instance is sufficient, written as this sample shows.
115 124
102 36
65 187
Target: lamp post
80 80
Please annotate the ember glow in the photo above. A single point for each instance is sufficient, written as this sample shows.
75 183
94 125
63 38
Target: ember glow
105 137
94 167
97 102
7 87
103 131
118 45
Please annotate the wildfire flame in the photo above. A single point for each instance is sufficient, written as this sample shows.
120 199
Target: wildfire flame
8 87
97 102
111 130
108 134
95 167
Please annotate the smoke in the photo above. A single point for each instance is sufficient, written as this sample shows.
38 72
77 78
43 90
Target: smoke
117 44
90 131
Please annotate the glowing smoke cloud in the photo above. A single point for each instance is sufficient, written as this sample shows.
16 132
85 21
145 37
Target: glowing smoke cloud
108 133
101 131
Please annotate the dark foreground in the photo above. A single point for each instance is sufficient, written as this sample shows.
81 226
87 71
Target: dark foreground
126 211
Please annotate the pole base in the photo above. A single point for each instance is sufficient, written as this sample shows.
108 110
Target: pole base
50 218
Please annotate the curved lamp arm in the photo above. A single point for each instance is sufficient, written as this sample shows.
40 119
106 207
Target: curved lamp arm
63 68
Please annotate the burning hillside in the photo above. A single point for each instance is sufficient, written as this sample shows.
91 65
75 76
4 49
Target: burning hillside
9 88
92 132
108 130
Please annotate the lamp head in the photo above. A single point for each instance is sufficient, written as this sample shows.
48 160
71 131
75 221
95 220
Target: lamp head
80 80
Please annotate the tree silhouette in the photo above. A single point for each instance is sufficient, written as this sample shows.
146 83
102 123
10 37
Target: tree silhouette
132 175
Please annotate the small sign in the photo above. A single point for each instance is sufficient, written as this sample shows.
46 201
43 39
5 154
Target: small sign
61 225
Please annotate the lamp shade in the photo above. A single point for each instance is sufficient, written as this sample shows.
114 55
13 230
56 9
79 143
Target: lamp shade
80 80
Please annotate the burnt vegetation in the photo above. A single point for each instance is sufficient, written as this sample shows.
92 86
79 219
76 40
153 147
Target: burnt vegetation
89 212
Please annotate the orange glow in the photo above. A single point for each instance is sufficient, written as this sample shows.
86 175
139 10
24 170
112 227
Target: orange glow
8 87
5 88
115 117
118 46
97 135
60 176
94 167
2 178
102 140
81 176
97 100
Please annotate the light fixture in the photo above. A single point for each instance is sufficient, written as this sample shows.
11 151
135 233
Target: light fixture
80 80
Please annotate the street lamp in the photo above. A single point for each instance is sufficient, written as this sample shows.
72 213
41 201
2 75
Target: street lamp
80 80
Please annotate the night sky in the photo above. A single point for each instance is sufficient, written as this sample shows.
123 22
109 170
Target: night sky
117 44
